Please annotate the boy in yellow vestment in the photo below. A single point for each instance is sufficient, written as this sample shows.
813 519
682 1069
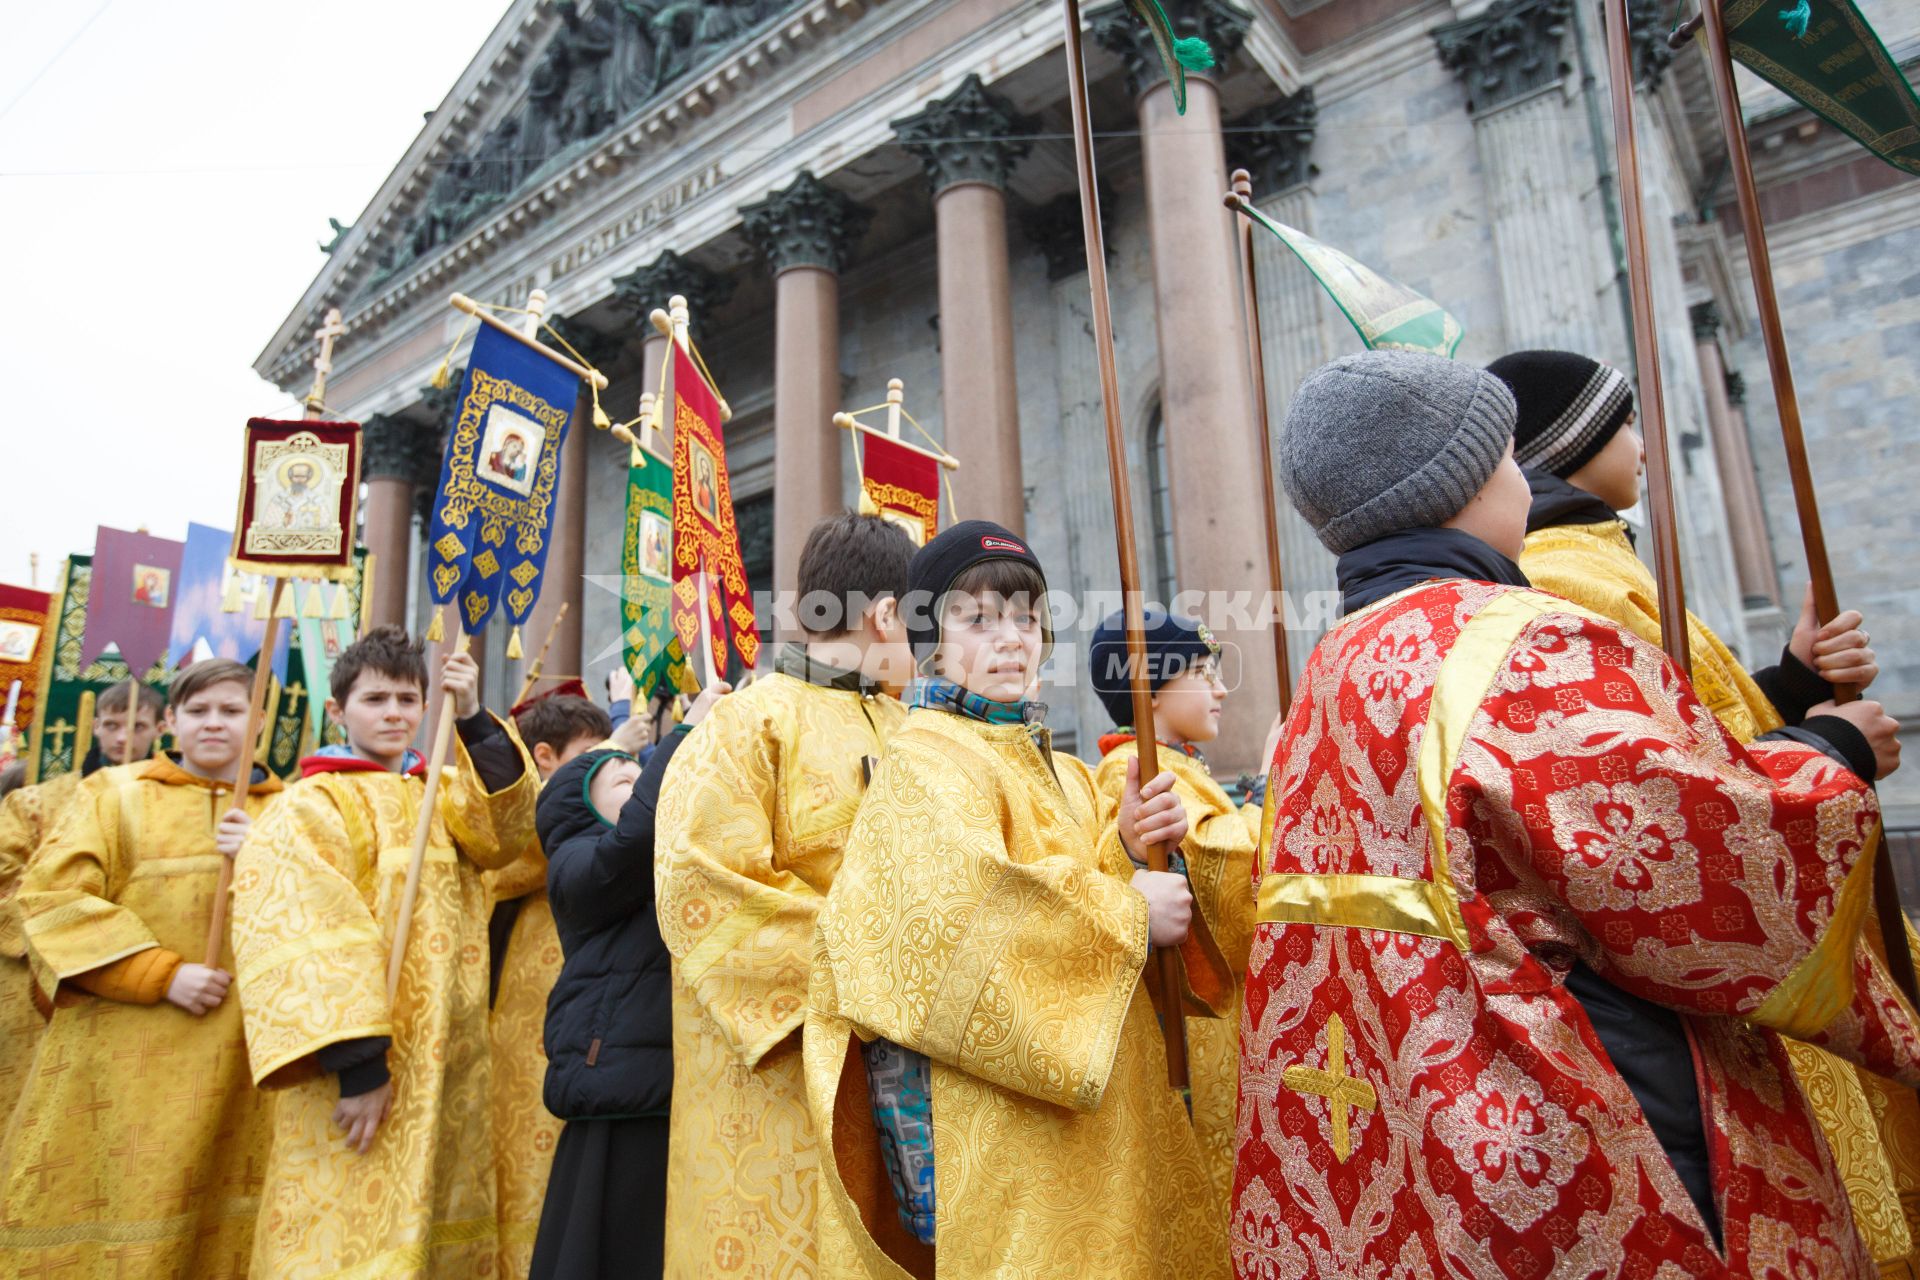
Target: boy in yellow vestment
1575 439
1189 697
753 811
138 1142
555 727
26 816
976 992
382 1161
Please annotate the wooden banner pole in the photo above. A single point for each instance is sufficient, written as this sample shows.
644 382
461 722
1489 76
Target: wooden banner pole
1242 196
1806 503
423 825
540 659
1165 959
1646 345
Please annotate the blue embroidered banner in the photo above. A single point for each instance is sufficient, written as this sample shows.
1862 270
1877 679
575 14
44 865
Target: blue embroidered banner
488 543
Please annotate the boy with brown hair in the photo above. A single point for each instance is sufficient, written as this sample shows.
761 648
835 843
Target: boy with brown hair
555 727
977 977
753 812
138 1136
27 814
382 1151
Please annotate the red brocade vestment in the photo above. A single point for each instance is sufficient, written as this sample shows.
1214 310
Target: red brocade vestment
1478 786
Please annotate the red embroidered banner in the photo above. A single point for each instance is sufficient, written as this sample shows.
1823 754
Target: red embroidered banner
298 495
130 603
705 539
900 484
26 647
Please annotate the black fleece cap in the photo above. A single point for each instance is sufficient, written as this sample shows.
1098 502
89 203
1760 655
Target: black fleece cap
940 563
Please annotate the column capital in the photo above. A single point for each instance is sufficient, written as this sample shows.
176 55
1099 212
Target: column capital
971 135
388 445
641 290
806 224
1275 142
1222 25
1736 389
1057 229
439 402
1511 50
1706 320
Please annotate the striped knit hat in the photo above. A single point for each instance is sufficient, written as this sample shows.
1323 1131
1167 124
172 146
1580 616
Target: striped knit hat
1570 407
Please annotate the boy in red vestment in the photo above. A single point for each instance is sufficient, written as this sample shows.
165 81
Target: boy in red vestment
1530 922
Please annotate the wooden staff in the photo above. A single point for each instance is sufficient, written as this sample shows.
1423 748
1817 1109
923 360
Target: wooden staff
1806 504
313 409
539 659
1241 196
1646 346
1165 959
423 825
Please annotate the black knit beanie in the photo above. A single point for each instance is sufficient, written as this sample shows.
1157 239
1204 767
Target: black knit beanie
1174 644
940 563
1570 406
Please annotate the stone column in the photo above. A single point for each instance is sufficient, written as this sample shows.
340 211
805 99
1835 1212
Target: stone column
1551 248
390 464
969 142
1753 561
1218 503
805 232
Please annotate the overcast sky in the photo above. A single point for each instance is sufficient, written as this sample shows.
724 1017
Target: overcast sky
166 171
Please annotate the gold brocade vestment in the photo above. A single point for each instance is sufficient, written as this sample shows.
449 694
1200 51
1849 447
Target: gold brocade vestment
25 818
139 1141
1219 849
1872 1124
754 810
316 897
981 918
524 1131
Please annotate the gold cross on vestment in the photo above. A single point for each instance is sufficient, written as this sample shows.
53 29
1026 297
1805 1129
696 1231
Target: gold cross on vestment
60 731
134 1151
147 1049
1335 1085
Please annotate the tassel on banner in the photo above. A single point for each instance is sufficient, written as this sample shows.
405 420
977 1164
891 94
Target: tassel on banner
313 606
286 609
234 600
342 609
514 652
262 603
437 629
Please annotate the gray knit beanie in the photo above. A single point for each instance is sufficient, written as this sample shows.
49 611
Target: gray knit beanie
1389 440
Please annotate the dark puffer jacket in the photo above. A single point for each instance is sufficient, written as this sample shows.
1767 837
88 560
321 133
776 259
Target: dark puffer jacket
610 1017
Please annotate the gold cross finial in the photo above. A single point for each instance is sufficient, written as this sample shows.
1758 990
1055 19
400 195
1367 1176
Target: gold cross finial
323 363
1335 1085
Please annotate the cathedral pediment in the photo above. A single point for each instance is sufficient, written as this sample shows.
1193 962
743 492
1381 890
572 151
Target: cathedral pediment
562 94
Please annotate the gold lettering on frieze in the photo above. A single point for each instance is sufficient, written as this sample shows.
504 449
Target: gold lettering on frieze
654 211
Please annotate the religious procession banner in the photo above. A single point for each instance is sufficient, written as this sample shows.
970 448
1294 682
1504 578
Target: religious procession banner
1387 315
653 653
706 541
212 602
1177 56
131 601
329 621
26 643
62 713
899 484
1826 56
488 543
299 491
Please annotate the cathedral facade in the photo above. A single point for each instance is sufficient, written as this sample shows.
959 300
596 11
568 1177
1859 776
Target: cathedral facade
849 191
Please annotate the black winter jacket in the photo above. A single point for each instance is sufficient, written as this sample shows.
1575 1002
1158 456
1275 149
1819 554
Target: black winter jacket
610 1018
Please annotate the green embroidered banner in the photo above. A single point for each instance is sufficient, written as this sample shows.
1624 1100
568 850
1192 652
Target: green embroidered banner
1825 56
1388 315
652 651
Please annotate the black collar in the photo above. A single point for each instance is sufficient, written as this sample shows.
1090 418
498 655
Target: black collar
1387 566
796 662
1556 502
